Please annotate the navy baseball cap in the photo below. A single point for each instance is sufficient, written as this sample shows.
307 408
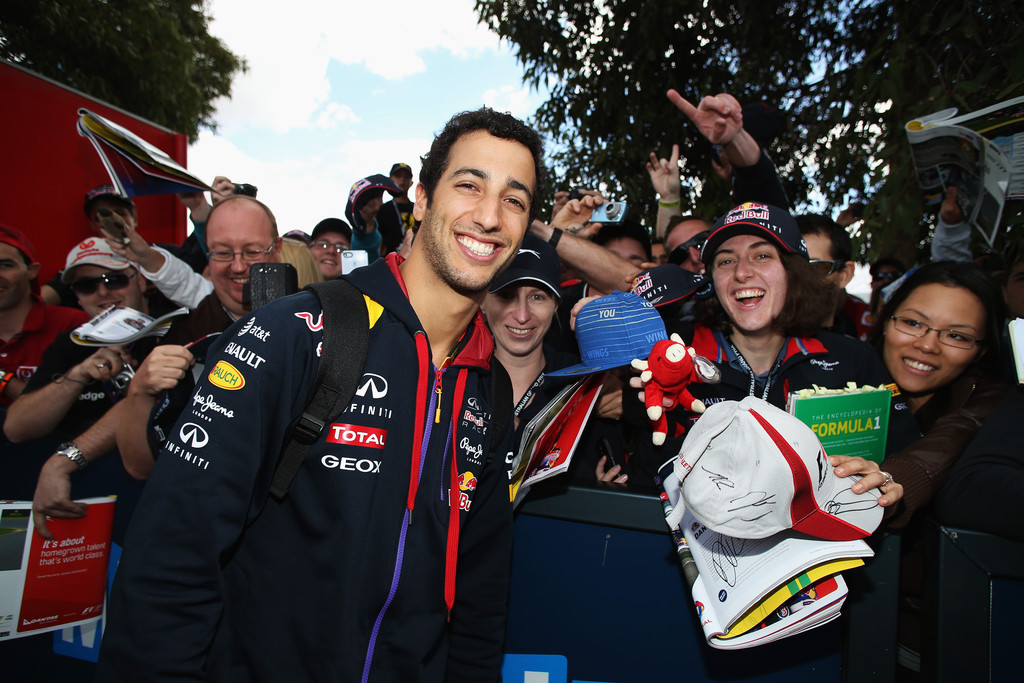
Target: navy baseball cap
105 192
537 261
400 167
763 220
362 190
667 284
613 330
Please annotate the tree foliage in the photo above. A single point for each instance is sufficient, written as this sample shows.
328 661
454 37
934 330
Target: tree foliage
848 73
153 58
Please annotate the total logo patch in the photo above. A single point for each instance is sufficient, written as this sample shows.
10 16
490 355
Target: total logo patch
357 435
226 376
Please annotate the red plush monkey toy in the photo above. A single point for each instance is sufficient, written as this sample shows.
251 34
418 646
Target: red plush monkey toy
667 373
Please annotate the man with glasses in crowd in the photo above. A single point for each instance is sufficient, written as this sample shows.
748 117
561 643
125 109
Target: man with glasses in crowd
240 231
329 238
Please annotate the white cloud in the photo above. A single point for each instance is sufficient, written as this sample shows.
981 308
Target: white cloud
299 142
333 114
289 47
515 99
302 191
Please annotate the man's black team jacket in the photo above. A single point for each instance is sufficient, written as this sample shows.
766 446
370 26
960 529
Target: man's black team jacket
349 578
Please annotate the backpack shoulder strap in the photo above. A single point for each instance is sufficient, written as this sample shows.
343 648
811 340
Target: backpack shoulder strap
346 335
501 404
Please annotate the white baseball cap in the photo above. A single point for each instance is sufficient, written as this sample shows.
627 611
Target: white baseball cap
749 470
93 251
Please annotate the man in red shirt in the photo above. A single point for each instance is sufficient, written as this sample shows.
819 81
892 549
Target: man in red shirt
27 325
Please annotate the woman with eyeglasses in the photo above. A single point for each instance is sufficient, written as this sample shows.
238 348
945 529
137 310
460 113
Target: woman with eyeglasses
938 336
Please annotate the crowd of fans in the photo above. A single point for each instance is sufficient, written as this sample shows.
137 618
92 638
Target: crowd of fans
758 292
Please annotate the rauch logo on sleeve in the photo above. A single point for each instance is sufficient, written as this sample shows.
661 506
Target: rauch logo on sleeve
226 376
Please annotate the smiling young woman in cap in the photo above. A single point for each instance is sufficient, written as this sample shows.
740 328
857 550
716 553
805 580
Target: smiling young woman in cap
519 309
762 329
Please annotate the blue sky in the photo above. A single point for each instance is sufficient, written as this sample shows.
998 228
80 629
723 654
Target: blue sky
336 93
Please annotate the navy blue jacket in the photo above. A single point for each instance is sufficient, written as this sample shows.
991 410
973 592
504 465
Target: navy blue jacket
349 578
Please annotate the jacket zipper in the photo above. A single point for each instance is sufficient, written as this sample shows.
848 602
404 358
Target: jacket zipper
424 431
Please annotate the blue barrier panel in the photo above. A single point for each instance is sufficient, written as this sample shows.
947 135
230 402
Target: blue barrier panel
612 601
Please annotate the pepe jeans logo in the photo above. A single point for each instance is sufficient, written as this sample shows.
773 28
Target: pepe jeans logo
226 376
824 364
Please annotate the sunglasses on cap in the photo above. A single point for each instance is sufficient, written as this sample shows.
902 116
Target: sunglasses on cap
826 267
681 253
89 285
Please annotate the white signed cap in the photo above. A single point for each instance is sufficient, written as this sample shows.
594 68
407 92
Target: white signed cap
750 470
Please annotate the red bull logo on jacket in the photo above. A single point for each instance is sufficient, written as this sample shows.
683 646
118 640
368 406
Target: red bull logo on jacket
467 481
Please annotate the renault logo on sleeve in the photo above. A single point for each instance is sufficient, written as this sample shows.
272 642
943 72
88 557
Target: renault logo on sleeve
375 384
193 435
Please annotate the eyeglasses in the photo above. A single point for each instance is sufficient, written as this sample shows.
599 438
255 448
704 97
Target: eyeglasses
88 285
954 338
826 267
681 253
224 255
336 246
895 275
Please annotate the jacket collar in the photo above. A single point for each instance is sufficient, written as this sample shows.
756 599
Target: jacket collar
797 348
382 281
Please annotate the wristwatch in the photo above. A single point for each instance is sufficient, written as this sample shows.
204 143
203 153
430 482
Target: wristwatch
556 235
73 453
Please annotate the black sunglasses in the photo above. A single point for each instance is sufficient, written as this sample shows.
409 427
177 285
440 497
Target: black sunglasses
826 267
682 252
89 285
880 277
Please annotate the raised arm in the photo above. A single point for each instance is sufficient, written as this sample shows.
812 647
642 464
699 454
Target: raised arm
665 180
173 277
602 269
720 120
163 369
